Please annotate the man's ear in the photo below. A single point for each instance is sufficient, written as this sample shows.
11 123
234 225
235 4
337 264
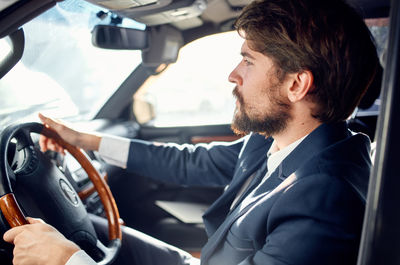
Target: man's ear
303 82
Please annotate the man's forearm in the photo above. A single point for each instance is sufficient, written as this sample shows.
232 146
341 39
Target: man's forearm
89 141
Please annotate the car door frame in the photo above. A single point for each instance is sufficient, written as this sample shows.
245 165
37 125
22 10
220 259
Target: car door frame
380 240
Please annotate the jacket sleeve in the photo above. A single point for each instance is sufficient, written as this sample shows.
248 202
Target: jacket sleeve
202 165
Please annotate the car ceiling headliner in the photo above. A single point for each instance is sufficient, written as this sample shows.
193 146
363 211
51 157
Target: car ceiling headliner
217 16
219 12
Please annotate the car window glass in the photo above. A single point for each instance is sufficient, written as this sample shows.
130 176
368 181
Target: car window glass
5 48
379 30
195 90
61 73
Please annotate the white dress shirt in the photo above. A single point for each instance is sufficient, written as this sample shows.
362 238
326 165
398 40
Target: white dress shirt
80 258
114 150
275 157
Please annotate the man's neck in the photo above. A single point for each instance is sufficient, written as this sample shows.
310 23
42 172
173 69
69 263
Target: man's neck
294 131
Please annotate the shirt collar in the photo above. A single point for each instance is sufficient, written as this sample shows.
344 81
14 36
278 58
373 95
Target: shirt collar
275 156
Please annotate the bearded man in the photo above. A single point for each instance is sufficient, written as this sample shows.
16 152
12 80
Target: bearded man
296 182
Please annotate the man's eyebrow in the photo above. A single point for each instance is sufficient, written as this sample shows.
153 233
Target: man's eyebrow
246 54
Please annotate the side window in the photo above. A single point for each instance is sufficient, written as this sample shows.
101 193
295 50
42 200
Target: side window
380 31
195 90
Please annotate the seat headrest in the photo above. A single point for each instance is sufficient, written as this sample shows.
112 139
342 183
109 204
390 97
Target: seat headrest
373 91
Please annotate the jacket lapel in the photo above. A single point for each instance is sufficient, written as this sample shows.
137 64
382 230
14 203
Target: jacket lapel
253 155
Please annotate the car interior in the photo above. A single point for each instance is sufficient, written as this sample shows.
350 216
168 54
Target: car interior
168 212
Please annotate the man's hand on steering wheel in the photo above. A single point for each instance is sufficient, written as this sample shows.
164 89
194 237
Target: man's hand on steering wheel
86 141
39 243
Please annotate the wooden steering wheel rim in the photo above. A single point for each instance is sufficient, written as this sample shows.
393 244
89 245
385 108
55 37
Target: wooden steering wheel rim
15 217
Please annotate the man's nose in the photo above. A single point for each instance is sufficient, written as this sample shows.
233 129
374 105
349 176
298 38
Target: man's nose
234 77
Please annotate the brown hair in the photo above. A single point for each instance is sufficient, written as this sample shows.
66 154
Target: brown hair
327 37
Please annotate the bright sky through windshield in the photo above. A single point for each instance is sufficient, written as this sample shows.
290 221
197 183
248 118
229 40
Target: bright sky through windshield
61 73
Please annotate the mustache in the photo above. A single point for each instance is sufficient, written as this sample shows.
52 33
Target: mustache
237 95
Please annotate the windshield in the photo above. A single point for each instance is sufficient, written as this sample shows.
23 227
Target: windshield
61 73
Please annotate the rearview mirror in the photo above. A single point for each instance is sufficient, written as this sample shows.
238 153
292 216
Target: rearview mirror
118 38
164 47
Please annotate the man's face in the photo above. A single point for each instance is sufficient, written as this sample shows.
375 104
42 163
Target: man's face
261 104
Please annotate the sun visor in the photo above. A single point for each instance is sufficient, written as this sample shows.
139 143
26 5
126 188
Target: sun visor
164 44
155 12
139 5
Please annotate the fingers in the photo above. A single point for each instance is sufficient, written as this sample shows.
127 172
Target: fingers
87 141
42 117
10 235
35 220
43 143
46 143
48 121
39 243
56 125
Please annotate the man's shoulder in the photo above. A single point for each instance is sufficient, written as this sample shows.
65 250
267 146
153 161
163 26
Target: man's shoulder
335 143
354 149
347 161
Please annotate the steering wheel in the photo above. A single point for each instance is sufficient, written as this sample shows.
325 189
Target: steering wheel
48 192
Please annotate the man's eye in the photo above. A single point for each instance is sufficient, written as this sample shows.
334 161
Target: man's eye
247 62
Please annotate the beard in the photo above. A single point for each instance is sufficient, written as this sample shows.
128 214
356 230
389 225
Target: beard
274 120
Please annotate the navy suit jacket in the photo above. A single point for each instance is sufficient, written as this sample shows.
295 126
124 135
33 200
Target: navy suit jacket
309 211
